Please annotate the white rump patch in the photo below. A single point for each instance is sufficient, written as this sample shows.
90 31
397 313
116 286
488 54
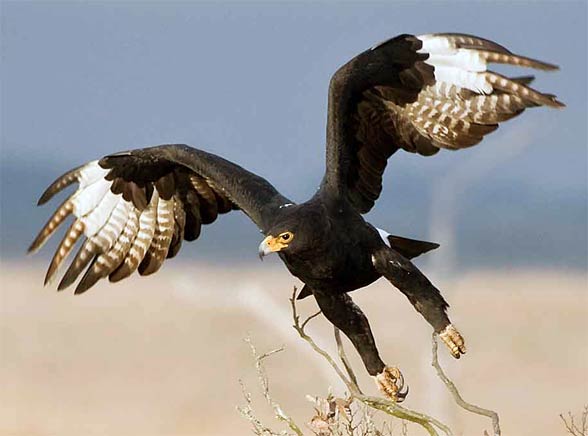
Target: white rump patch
384 235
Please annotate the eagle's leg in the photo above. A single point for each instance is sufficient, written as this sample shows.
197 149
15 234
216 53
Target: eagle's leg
423 295
349 318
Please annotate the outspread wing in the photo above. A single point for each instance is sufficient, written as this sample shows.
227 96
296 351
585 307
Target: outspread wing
134 209
420 94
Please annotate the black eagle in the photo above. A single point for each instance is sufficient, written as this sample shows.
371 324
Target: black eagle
414 93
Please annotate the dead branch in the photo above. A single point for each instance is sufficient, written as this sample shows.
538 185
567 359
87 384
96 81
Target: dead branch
344 360
457 396
301 332
427 422
573 428
351 416
247 410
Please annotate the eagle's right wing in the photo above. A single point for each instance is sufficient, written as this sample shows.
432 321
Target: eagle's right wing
135 208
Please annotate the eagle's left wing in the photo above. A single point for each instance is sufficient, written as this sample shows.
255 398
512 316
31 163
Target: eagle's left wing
420 94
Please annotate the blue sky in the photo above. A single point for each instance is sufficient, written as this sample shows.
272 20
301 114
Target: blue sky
249 82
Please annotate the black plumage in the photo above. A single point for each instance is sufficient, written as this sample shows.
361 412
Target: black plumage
414 93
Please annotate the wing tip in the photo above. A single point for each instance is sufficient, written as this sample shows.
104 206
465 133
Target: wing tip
50 192
551 67
84 285
38 242
45 197
556 103
32 249
50 278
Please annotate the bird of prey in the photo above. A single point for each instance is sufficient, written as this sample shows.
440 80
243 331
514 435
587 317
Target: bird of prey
419 94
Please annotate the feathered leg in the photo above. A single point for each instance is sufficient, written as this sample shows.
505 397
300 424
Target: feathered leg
340 310
423 295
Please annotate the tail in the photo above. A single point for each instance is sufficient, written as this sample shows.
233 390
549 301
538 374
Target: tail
410 248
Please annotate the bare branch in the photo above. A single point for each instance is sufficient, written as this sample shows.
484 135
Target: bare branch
352 415
299 328
427 422
344 360
457 396
309 319
574 429
247 411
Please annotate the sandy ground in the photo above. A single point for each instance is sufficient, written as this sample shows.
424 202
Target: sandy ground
163 356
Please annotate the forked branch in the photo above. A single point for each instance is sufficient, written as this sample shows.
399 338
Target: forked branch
457 396
247 410
576 428
429 423
322 423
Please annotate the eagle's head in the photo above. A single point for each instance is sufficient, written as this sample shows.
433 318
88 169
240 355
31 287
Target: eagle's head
294 231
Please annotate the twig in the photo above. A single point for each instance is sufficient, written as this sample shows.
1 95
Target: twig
344 360
571 425
309 319
264 381
427 422
298 327
457 396
248 413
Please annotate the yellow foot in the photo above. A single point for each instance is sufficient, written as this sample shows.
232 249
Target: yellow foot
453 340
390 382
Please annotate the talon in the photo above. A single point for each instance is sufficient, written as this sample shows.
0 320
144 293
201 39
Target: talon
390 382
454 341
402 395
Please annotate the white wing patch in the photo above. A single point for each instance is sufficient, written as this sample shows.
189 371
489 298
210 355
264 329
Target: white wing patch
468 60
129 217
454 109
118 235
90 173
87 198
462 61
462 78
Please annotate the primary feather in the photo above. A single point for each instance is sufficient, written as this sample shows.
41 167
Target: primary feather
436 92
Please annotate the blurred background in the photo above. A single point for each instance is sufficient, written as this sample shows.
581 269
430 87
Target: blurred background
248 81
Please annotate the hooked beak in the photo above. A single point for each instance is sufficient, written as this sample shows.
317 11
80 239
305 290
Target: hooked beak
270 245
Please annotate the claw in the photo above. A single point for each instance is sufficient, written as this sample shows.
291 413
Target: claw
391 382
454 341
402 395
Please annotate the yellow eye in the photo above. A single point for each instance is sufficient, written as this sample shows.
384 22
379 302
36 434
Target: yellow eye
286 236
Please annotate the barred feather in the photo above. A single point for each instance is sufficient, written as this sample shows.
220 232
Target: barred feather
52 225
164 228
128 221
141 243
109 260
209 207
65 247
463 103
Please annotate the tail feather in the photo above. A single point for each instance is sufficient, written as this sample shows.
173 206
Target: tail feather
410 248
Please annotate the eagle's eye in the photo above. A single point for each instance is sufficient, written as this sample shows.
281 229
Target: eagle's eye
286 236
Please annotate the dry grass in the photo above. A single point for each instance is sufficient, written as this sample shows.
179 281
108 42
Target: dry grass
162 356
